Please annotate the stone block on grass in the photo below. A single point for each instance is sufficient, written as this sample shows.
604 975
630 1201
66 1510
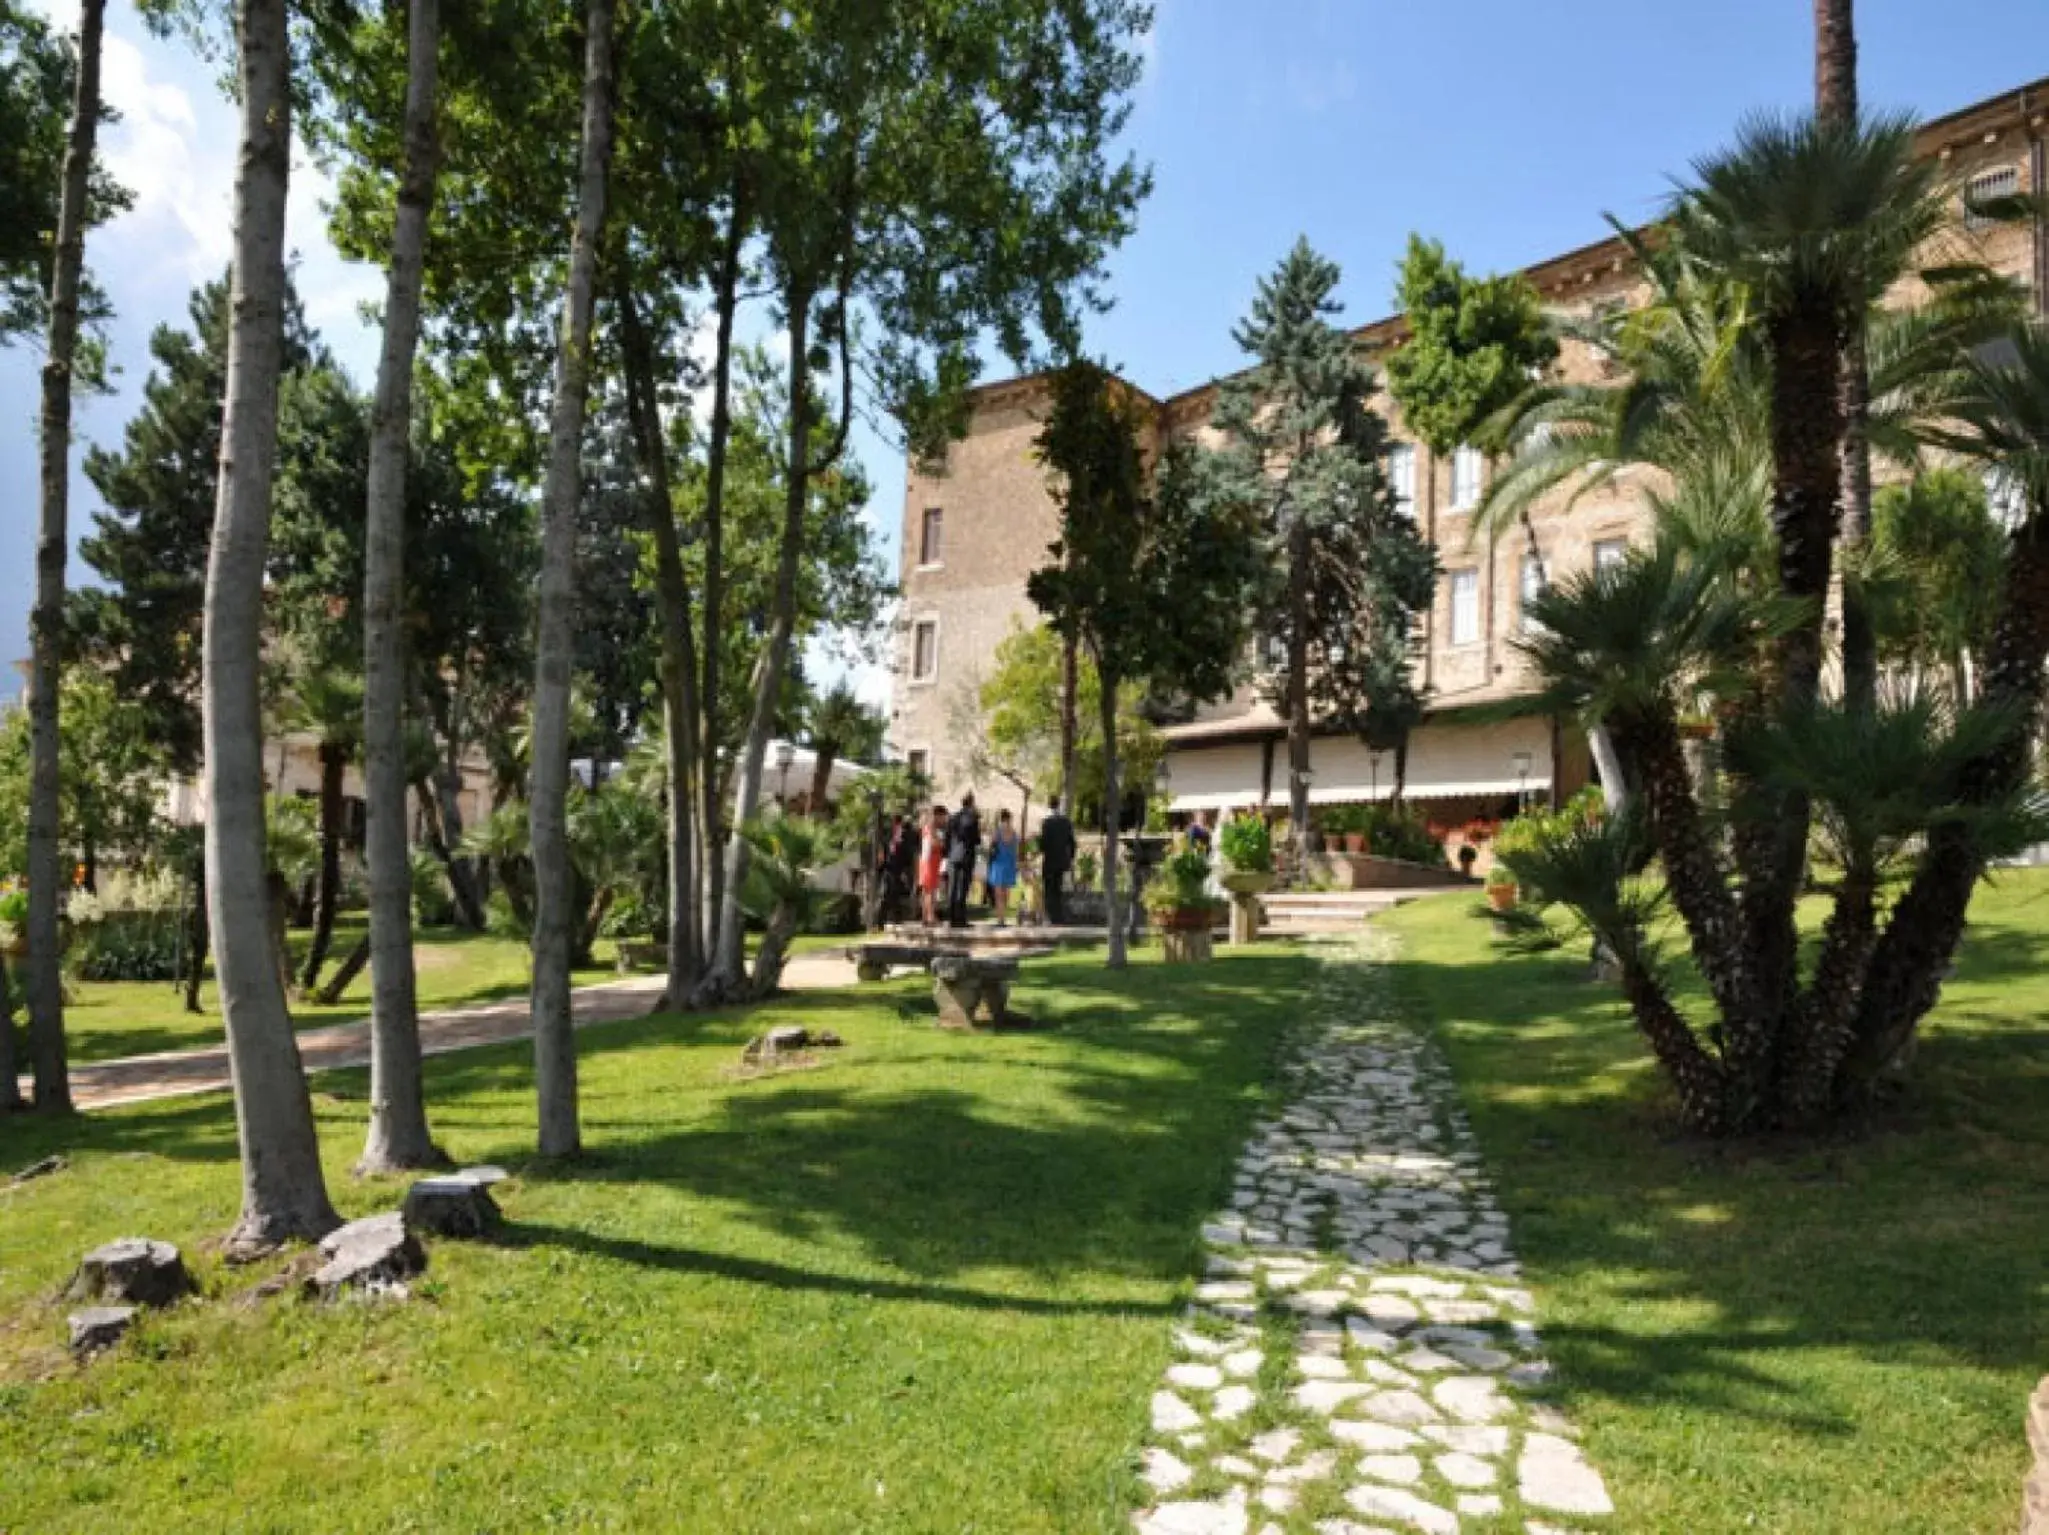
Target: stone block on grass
133 1271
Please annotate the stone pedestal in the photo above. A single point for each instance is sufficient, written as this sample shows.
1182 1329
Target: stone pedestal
1244 918
967 988
1186 945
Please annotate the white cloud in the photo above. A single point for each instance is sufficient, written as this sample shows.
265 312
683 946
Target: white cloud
181 180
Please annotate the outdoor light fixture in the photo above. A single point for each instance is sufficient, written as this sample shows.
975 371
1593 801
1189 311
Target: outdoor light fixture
1373 767
1521 763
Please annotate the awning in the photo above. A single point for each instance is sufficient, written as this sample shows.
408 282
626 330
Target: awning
1446 761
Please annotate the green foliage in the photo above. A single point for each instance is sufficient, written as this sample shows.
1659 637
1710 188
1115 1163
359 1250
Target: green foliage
1940 567
1181 882
1246 842
433 902
1399 830
901 792
13 906
137 944
1088 869
291 837
1344 572
110 772
38 84
1018 711
1474 345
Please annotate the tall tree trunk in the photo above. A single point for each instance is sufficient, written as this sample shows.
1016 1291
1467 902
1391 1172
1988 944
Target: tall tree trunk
710 776
728 959
1298 687
397 1136
196 936
45 809
10 1069
351 966
327 888
1113 805
554 880
827 753
1070 707
441 808
284 1194
1835 100
679 659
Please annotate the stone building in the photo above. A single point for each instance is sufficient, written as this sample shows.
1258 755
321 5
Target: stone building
975 529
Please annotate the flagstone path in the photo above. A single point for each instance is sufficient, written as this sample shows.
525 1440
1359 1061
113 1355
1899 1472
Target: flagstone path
1362 1358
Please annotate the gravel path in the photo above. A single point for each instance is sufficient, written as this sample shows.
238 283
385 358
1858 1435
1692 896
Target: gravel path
1362 1357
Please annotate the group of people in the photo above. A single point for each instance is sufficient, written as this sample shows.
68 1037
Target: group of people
938 859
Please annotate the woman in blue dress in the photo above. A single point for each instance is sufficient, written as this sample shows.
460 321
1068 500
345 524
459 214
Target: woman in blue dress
1002 875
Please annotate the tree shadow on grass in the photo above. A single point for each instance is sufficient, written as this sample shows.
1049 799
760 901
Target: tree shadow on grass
1698 1272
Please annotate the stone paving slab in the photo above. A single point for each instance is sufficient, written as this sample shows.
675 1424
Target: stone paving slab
1390 1376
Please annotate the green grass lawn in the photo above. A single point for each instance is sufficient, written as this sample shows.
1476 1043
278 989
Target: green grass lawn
107 1020
925 1286
1800 1336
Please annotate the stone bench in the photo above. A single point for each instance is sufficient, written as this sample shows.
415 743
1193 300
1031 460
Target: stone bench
874 961
971 986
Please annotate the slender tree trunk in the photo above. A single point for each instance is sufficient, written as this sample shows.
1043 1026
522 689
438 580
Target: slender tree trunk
1070 706
1608 762
441 806
710 777
729 958
45 810
679 660
398 1135
1298 687
196 935
327 888
821 775
284 1194
10 1068
1113 798
554 880
1835 59
351 966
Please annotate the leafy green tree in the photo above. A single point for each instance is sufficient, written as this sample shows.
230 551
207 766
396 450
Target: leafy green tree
1943 563
112 780
1302 454
1474 344
1151 574
782 890
839 726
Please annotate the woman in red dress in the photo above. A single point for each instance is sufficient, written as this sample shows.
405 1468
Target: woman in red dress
932 863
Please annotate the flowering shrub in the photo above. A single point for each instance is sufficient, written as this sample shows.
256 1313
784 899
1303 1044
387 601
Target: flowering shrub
1246 842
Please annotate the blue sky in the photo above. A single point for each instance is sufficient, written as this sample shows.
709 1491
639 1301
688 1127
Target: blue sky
1503 128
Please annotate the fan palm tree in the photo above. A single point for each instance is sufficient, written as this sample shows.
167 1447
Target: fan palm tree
328 704
840 726
780 891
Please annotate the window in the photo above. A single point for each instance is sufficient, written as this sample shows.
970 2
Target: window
1533 587
1610 552
925 650
1275 649
1465 607
1401 477
919 761
1466 465
1988 186
929 536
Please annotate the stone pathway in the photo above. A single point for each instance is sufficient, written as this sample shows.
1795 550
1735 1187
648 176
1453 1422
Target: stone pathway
1361 1359
178 1073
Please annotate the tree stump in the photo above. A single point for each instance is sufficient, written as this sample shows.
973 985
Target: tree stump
376 1255
133 1271
99 1327
455 1204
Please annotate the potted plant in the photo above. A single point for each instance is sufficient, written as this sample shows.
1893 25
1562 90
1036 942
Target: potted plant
1501 888
1468 855
1246 842
1178 901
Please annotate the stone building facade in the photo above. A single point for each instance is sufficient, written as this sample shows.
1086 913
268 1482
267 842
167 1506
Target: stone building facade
975 527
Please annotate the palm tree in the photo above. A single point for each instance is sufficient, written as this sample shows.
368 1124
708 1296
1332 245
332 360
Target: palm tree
328 704
786 851
840 726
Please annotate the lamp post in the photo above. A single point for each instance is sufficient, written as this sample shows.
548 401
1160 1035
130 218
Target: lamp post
1521 763
1373 768
785 754
871 917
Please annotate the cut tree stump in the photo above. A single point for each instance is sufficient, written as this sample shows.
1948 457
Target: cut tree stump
134 1271
455 1204
99 1327
375 1255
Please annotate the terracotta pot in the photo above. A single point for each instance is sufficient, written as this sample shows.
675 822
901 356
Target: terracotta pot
1501 897
1183 919
1355 842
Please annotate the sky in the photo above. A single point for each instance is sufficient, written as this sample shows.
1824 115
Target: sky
1502 128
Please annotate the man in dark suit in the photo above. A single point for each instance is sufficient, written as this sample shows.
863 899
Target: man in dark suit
963 842
1056 857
